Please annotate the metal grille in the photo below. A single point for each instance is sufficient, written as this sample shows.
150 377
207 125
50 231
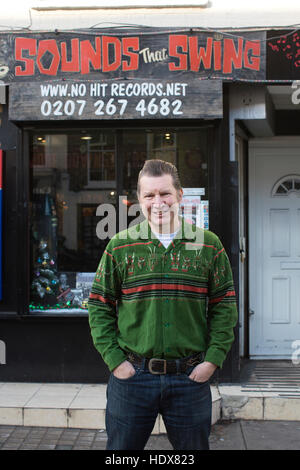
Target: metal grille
280 377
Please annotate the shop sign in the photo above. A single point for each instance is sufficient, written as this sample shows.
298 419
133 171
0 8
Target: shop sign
152 53
114 99
153 73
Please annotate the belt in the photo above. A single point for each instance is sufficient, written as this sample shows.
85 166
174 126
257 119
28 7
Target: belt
166 366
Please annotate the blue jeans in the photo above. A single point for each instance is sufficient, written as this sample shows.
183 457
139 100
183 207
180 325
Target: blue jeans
133 405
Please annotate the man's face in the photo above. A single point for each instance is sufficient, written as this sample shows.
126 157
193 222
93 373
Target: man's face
159 201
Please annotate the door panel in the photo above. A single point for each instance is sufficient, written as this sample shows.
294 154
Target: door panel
274 264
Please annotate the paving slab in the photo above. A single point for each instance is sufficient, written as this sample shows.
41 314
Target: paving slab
227 435
270 435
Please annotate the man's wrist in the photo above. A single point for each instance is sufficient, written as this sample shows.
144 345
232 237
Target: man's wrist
211 365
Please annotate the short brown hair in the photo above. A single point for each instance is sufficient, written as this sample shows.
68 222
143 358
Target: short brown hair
159 168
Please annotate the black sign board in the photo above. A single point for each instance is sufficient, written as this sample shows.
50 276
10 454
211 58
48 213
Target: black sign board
116 99
150 53
150 74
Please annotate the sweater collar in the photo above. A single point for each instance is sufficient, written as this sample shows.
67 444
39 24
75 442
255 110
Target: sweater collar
187 232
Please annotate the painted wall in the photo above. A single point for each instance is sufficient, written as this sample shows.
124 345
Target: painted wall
67 14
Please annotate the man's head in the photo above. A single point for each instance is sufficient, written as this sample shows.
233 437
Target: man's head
159 168
159 193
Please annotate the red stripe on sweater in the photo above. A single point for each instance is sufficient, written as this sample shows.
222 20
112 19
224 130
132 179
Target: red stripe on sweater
223 249
102 299
106 252
230 293
131 244
151 287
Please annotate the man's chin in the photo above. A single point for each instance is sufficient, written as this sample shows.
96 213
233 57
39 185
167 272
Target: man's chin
159 224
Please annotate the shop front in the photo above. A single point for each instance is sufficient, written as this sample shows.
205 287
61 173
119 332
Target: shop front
81 114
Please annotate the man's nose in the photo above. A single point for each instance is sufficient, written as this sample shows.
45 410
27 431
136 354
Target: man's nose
157 199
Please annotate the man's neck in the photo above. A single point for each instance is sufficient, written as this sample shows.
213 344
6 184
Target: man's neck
164 230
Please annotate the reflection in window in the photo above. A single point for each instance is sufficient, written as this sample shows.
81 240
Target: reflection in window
162 146
72 174
188 149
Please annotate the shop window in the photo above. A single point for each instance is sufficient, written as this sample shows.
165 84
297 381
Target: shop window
187 149
72 175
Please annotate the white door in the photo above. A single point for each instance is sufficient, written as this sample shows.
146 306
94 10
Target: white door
274 247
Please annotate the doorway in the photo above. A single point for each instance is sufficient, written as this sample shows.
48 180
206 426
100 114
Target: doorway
274 246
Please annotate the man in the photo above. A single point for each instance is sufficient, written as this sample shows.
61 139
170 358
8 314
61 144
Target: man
162 311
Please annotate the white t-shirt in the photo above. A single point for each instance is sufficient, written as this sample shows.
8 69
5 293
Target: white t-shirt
165 238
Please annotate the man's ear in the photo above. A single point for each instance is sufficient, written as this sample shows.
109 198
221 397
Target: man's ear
180 194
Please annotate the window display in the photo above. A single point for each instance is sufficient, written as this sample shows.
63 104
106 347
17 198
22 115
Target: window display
73 173
45 281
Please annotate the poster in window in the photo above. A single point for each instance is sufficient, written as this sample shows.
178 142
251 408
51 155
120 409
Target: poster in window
193 209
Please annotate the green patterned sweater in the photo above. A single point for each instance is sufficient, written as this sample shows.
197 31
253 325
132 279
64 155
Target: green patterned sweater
163 303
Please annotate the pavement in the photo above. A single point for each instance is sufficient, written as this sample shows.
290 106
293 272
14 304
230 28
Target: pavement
260 413
82 406
228 435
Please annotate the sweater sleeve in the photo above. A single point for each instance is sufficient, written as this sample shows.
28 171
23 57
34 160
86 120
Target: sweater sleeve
102 308
222 311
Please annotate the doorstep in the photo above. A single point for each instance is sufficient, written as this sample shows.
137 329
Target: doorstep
244 401
267 390
65 405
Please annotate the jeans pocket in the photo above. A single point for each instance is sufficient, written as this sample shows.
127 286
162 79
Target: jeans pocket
198 383
188 372
127 379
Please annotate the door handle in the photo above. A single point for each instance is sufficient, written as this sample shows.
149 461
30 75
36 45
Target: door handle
251 312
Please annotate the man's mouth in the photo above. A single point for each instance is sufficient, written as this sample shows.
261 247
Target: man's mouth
159 211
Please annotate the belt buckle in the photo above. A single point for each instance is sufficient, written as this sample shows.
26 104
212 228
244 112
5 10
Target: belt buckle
153 360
